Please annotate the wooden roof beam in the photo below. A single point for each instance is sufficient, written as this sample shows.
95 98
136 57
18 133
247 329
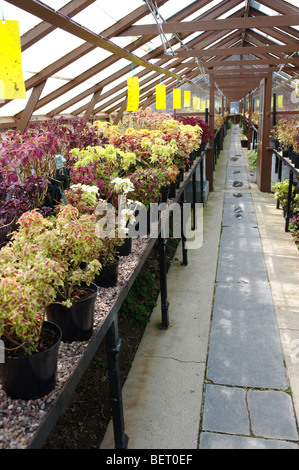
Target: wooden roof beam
213 51
43 29
236 63
214 25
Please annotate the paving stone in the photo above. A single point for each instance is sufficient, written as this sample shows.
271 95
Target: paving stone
222 441
225 410
240 255
236 197
272 414
244 343
239 213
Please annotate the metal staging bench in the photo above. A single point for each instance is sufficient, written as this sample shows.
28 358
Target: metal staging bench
292 170
108 330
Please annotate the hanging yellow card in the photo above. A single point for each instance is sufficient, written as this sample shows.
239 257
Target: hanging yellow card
203 106
187 98
195 103
280 101
177 98
133 94
160 96
11 74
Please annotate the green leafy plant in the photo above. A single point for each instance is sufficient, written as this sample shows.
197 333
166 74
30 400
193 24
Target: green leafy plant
281 193
82 196
28 283
147 186
294 228
69 238
253 159
287 133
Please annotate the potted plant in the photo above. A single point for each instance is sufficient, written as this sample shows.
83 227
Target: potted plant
294 228
82 196
109 261
28 283
253 164
69 238
147 185
281 193
286 132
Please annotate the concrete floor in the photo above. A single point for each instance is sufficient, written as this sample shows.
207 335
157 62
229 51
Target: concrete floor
225 374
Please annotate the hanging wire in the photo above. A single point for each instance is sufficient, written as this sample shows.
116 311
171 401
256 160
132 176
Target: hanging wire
2 12
152 6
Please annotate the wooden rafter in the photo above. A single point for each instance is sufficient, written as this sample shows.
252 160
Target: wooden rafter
215 25
42 29
246 32
214 51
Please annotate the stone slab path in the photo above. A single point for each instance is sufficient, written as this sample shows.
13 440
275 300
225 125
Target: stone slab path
247 404
216 378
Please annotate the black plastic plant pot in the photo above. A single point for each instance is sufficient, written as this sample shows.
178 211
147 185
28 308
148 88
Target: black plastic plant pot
172 190
32 377
76 322
164 193
126 248
108 275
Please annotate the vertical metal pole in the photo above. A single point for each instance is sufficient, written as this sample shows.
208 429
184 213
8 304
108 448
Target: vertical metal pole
112 351
289 201
279 178
163 283
184 249
193 227
201 182
274 110
273 124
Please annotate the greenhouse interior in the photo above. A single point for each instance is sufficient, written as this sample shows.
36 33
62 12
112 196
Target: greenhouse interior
149 229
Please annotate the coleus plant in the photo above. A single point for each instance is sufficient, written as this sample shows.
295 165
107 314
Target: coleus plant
17 198
147 186
68 238
82 196
206 134
28 154
28 283
287 133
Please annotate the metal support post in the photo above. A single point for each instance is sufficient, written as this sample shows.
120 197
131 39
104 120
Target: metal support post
193 227
112 353
184 249
290 191
201 181
163 283
279 178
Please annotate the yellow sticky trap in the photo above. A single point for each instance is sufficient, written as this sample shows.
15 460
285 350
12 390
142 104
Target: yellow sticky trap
187 98
12 84
177 98
203 105
133 94
194 103
280 101
160 96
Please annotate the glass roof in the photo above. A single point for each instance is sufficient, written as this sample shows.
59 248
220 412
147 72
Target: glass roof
98 17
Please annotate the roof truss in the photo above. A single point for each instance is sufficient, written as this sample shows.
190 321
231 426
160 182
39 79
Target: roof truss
261 42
